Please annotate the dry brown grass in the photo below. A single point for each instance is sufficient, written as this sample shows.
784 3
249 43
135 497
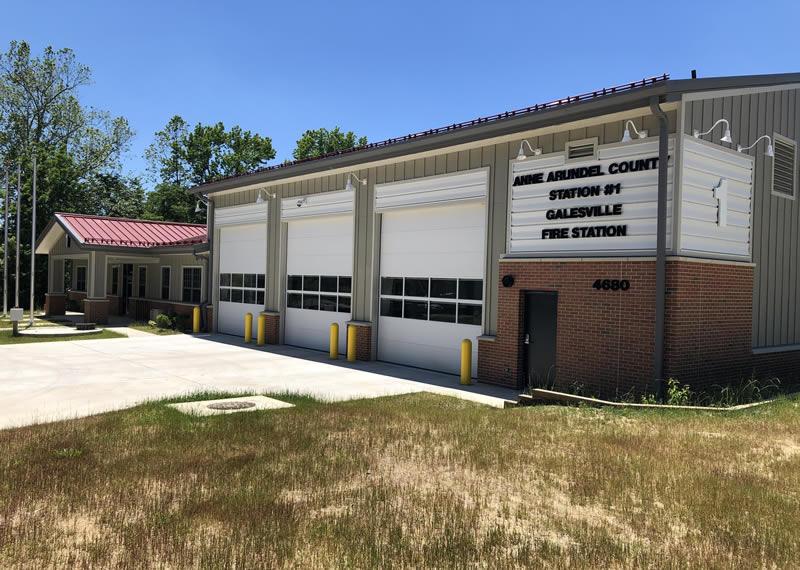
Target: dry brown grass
413 481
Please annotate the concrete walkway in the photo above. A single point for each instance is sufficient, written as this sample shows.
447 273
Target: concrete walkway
59 380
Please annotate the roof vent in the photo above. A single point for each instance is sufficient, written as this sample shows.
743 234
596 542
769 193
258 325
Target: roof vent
581 150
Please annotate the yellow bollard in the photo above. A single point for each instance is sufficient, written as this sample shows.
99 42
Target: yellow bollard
196 320
248 327
351 343
262 330
466 362
334 341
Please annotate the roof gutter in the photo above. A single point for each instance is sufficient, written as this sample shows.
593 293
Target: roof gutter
661 246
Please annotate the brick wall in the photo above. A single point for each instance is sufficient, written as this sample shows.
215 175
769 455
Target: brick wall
708 335
140 311
95 311
605 338
55 304
273 330
363 332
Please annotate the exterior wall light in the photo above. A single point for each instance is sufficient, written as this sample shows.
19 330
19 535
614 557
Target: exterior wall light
770 151
726 138
349 186
197 208
626 136
260 198
534 151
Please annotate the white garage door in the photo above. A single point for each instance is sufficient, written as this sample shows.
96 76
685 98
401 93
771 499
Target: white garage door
319 268
242 276
432 263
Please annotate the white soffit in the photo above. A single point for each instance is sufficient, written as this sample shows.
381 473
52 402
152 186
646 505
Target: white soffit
432 190
321 204
236 215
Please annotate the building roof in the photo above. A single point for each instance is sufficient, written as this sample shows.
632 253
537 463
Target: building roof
124 232
592 103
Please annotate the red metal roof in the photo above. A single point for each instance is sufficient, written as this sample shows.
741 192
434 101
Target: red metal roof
123 232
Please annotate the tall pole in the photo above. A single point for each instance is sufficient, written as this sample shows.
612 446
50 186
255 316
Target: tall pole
33 238
5 248
19 209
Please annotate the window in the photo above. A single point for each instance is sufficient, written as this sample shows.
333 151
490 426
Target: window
246 288
784 167
318 292
470 289
166 275
443 288
142 281
192 283
114 280
439 299
585 149
80 278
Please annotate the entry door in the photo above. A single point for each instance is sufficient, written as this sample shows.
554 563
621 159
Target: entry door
539 339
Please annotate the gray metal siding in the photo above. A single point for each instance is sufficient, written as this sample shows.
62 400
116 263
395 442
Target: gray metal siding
496 157
776 220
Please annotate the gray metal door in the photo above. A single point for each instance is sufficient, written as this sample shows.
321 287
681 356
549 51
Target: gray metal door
539 339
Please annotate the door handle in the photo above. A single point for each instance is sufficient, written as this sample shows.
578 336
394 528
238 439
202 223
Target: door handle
527 339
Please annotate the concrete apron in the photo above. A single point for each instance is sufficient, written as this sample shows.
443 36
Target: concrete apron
60 380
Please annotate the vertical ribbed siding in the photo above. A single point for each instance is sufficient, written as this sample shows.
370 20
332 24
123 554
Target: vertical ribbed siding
367 239
776 220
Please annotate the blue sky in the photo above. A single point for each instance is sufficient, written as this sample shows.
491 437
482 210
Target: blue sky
385 69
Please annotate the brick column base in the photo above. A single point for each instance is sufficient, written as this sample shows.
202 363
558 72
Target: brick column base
363 331
55 304
95 311
273 327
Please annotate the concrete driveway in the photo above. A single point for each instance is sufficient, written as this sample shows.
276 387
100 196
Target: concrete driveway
59 380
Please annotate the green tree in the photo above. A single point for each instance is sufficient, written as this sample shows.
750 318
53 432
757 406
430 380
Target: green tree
41 114
318 142
181 157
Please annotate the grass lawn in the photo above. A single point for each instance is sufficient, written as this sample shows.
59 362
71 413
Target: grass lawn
145 327
411 481
7 338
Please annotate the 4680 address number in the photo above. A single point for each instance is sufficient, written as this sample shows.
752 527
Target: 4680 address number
611 285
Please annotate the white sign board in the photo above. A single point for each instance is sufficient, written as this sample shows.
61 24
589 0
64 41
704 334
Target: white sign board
600 206
716 194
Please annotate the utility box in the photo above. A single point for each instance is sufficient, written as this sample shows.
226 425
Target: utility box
15 317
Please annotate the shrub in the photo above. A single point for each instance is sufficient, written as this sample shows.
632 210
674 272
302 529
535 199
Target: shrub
163 321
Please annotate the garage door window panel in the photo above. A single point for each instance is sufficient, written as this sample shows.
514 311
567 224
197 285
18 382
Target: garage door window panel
328 284
421 299
301 293
443 312
245 288
444 288
392 308
469 314
392 286
470 289
327 303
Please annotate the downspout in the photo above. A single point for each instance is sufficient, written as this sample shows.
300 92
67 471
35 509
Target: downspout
210 262
210 240
661 247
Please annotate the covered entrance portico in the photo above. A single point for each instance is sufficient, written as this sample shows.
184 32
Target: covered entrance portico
106 267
